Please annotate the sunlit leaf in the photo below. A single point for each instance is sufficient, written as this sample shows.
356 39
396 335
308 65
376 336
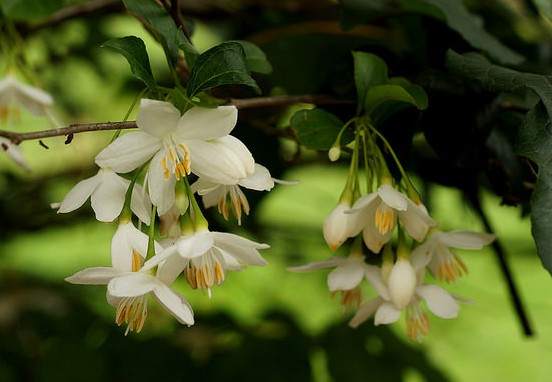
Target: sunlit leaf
134 50
223 64
316 129
380 94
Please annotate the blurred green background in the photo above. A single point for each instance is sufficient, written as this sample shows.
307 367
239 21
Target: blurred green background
263 323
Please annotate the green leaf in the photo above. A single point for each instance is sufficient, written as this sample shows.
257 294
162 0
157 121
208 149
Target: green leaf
134 50
381 94
498 78
369 71
29 9
316 129
255 58
161 22
223 64
470 27
190 52
534 141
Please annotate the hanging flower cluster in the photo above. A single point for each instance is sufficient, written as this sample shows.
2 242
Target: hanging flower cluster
394 241
168 150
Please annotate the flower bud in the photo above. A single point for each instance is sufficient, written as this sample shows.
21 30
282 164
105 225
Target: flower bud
334 153
402 283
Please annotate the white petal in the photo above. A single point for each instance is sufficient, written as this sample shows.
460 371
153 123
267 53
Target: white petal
363 202
205 124
339 226
241 152
392 197
439 301
129 151
364 312
373 239
345 277
240 248
127 239
161 190
14 152
214 196
174 304
416 221
140 204
132 284
316 265
260 180
170 269
157 118
78 194
32 98
108 198
195 245
465 239
95 276
373 275
387 313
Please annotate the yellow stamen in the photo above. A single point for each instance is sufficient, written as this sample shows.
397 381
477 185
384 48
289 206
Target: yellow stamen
136 261
384 218
132 311
166 172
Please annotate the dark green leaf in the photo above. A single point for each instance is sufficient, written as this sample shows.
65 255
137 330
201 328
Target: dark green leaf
381 94
369 70
29 9
470 27
223 64
134 50
161 22
190 52
255 58
535 143
316 129
498 78
545 8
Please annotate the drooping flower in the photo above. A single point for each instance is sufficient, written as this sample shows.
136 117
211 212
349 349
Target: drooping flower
14 152
345 278
206 256
339 226
217 194
129 284
403 290
106 191
36 100
197 141
443 263
379 211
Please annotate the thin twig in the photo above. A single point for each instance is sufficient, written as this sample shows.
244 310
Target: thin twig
68 131
241 104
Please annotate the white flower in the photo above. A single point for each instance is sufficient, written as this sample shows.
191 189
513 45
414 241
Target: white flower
129 284
404 290
107 191
205 257
14 152
345 278
379 211
444 264
197 142
339 226
29 97
216 194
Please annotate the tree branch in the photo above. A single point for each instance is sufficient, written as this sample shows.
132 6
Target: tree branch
249 103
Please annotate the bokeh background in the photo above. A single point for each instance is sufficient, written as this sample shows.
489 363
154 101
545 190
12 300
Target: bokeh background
264 323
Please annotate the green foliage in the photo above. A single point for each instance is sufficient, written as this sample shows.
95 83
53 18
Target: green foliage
369 70
223 64
29 9
534 137
316 129
255 58
471 28
162 24
134 50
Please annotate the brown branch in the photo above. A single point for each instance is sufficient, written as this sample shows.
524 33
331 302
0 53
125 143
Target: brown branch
241 104
68 131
